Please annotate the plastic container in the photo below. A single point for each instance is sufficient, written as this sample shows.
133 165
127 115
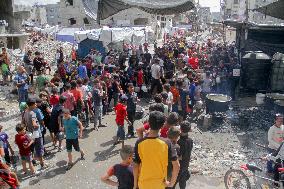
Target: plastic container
260 98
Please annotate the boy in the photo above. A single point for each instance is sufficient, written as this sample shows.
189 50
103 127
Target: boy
173 136
122 171
40 81
70 126
121 115
33 127
172 120
6 145
152 155
131 108
56 122
186 144
24 142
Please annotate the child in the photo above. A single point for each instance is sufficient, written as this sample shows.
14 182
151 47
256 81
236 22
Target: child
172 120
122 171
176 96
54 98
6 145
186 144
71 125
121 115
164 96
24 143
170 96
173 136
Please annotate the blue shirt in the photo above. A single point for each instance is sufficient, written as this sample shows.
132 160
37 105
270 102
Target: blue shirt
82 72
21 78
39 117
71 127
192 90
4 138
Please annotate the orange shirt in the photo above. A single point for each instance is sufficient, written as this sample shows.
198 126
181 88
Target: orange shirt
175 93
77 94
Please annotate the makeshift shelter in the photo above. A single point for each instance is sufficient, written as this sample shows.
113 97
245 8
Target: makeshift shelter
114 37
86 45
274 9
250 37
107 8
67 35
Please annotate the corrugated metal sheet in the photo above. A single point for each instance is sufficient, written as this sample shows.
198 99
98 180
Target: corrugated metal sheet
274 9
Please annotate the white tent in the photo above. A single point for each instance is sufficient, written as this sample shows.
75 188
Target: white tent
134 35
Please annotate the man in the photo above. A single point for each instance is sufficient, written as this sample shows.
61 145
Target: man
21 81
70 126
131 108
98 104
156 75
151 157
29 64
275 138
206 85
38 64
82 71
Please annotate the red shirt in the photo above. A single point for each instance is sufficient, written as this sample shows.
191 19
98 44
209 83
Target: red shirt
146 126
164 132
22 140
121 113
193 62
140 78
54 99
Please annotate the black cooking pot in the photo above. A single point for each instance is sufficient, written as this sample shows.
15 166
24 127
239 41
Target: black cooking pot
279 106
217 102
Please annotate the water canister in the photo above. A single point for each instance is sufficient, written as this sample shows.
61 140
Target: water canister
277 73
256 67
260 98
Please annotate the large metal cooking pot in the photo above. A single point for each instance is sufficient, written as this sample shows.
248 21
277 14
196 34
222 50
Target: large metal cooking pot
270 99
279 106
217 102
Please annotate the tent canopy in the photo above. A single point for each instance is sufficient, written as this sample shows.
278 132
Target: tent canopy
274 9
107 8
67 35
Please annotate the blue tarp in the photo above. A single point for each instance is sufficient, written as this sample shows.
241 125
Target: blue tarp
66 38
67 35
86 45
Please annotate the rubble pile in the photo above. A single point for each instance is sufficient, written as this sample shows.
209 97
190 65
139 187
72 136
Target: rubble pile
48 47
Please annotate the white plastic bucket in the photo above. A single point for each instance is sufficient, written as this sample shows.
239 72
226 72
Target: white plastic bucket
260 98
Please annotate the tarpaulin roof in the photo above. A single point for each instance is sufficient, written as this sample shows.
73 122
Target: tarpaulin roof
274 9
107 8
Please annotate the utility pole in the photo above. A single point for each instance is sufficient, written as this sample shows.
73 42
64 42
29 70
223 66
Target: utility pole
247 11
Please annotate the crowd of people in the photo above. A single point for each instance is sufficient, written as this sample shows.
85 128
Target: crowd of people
84 89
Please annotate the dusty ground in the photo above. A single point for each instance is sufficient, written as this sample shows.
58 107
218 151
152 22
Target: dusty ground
214 153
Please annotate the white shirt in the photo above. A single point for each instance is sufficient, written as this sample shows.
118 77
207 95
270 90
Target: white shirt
85 91
170 100
206 85
155 71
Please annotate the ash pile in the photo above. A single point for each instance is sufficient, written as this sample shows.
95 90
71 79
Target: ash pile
251 118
